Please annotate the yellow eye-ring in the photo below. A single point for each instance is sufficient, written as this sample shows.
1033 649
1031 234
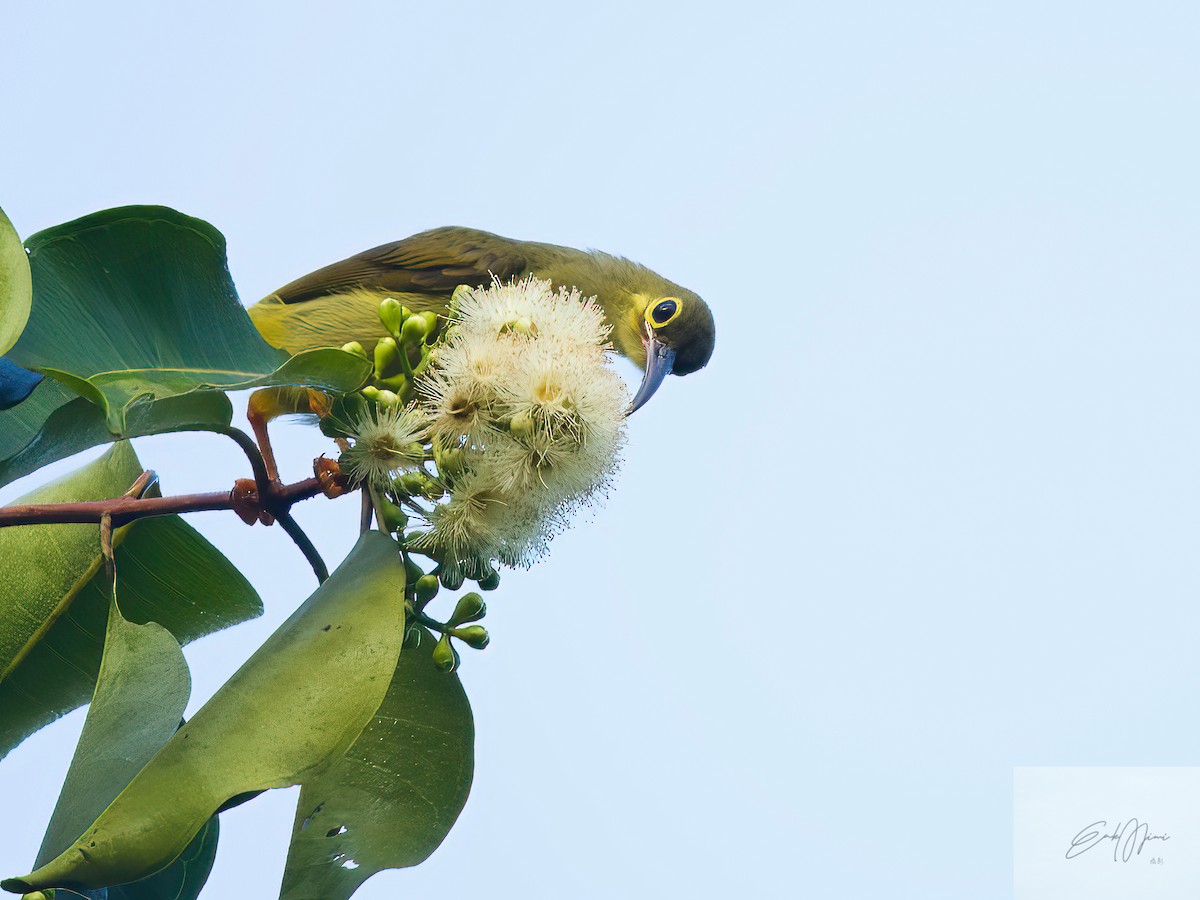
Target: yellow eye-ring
662 312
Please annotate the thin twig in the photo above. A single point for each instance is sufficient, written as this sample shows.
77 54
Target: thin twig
257 464
124 510
364 521
296 533
375 505
431 624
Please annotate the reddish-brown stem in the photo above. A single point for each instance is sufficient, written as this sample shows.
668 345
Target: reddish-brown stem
123 510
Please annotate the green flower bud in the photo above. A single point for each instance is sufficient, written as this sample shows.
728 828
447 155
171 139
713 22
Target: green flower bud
410 483
371 393
412 572
37 895
388 398
414 330
397 383
389 315
431 321
445 657
412 638
470 608
474 636
463 290
356 348
427 588
393 516
451 581
490 581
521 325
521 425
387 358
432 490
450 462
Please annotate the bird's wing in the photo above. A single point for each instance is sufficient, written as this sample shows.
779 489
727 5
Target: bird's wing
432 262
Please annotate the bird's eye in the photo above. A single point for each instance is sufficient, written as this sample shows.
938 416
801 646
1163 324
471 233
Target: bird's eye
663 312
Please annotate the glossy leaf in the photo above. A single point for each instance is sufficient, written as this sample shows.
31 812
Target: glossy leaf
392 799
54 602
42 563
14 285
55 423
137 303
296 705
140 697
183 879
15 383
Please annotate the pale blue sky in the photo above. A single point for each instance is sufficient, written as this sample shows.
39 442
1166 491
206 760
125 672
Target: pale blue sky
930 512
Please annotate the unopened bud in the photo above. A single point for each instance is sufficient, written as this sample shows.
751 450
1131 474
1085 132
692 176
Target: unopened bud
412 638
387 358
355 348
427 588
389 315
445 657
451 580
414 330
388 398
393 516
474 636
397 383
521 425
470 608
521 325
450 462
371 393
412 572
410 483
460 292
431 322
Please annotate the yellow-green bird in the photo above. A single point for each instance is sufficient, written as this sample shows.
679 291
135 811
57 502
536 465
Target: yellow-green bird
661 326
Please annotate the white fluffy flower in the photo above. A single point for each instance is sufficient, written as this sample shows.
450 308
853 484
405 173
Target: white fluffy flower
524 389
531 307
387 439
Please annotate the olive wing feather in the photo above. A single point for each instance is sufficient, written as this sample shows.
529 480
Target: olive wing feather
432 262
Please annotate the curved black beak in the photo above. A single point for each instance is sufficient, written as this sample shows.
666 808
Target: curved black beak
659 360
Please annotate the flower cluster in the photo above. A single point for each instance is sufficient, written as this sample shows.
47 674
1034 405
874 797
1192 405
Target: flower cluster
519 411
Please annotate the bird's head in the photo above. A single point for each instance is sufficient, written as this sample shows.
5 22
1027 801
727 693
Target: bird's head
674 334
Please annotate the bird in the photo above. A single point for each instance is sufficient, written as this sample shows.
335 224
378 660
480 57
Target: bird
661 326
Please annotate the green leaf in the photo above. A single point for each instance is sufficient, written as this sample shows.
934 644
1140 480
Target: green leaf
15 288
137 303
54 600
392 799
183 879
296 705
140 697
55 422
43 562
